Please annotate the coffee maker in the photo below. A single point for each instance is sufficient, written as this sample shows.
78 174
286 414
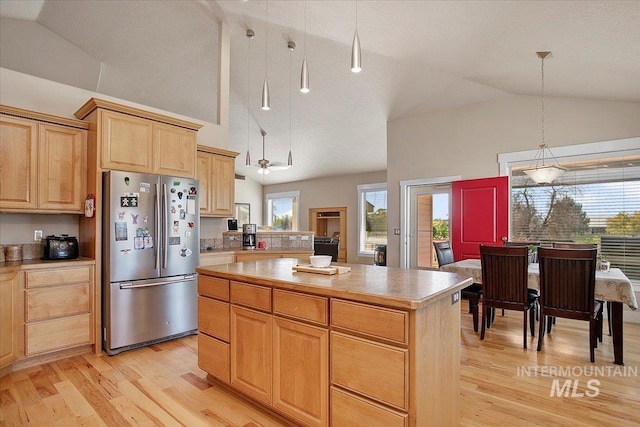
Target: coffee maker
249 236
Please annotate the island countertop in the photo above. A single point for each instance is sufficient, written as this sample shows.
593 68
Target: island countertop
391 287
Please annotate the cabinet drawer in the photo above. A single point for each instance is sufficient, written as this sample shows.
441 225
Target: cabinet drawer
348 410
58 276
213 318
213 357
251 295
58 301
375 370
213 287
375 321
58 334
301 306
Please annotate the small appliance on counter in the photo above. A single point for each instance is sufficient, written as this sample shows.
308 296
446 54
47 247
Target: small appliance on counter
60 246
249 236
380 255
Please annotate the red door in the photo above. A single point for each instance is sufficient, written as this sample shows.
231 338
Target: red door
480 215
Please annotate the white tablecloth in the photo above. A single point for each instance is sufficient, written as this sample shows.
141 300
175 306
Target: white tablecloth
611 285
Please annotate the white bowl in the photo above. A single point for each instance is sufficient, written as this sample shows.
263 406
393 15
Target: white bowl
320 260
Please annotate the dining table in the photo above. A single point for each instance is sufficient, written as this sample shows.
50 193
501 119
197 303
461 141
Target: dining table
611 286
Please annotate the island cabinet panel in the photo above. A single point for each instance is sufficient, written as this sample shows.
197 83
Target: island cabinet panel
378 322
376 370
301 371
253 296
213 357
213 318
251 353
301 306
348 410
213 287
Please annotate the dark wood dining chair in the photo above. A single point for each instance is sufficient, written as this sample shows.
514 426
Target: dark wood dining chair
568 245
567 287
471 293
504 284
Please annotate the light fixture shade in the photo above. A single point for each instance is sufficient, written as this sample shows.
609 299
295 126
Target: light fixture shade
266 100
545 174
290 159
263 171
304 77
247 160
356 64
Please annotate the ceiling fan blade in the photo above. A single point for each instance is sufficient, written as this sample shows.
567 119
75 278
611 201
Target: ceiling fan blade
278 166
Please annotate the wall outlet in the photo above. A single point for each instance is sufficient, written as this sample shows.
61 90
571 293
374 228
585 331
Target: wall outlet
37 235
455 297
396 231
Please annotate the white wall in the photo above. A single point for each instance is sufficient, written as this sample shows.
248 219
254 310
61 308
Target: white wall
466 141
335 191
250 191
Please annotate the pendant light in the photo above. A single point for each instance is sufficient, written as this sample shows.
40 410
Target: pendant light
356 64
266 101
304 73
250 36
539 171
292 47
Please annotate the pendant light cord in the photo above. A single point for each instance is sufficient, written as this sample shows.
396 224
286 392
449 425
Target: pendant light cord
266 38
248 86
542 73
290 82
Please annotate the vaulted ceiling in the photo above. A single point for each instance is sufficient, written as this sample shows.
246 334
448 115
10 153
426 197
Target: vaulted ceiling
418 57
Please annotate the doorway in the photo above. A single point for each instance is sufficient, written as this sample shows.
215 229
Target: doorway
425 218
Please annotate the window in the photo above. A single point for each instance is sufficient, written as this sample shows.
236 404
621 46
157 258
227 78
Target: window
597 200
282 211
372 217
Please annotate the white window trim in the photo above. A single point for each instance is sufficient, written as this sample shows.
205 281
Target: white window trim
362 188
593 150
405 209
283 195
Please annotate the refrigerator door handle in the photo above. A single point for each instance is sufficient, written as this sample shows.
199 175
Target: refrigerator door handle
188 278
156 214
165 222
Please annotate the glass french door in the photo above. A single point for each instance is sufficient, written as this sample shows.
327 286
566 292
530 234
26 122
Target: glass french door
429 214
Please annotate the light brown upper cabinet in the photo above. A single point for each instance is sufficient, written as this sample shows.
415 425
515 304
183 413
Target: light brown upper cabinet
42 162
135 140
216 173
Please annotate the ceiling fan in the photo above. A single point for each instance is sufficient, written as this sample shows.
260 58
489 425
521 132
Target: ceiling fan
264 165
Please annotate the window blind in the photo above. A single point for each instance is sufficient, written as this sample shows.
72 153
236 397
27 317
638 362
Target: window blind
594 201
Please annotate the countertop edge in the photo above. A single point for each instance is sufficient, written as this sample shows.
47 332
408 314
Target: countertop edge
359 296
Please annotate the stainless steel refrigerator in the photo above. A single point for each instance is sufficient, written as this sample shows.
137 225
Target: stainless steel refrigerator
151 248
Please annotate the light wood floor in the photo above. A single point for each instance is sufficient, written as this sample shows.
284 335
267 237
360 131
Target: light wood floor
162 385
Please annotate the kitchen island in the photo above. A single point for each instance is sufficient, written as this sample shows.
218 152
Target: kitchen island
375 346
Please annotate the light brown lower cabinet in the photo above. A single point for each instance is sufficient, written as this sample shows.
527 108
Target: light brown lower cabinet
10 314
58 309
300 371
326 361
251 353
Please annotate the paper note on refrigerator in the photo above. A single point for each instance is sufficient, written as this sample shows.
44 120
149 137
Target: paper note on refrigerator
191 205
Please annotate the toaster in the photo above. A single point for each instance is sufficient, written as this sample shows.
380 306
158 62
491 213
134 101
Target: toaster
61 246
